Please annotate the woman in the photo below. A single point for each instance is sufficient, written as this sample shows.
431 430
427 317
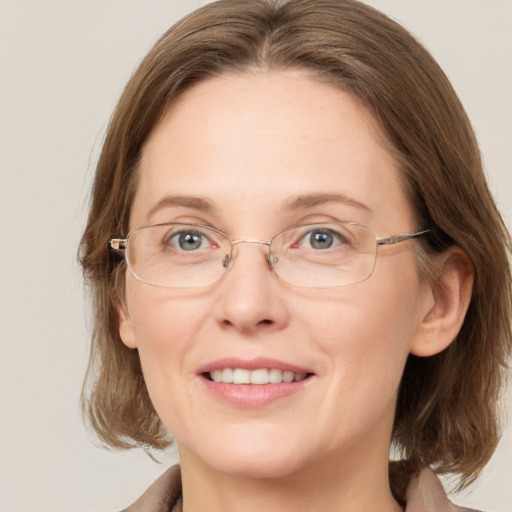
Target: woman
304 264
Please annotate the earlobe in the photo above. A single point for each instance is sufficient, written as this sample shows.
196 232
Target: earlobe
450 295
125 327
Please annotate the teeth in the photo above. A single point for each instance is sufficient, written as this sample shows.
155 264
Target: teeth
260 376
241 376
287 376
275 376
227 375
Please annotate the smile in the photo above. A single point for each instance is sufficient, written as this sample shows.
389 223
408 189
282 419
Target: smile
260 376
254 383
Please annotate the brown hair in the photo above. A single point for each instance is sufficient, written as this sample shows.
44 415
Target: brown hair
447 412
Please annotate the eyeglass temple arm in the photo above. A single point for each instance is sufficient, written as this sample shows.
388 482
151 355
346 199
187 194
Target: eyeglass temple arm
396 239
117 244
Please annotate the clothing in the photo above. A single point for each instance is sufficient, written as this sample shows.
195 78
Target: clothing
425 493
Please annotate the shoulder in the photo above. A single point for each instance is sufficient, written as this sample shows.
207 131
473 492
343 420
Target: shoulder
163 495
425 493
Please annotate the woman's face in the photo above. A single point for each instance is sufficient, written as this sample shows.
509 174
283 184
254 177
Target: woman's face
251 155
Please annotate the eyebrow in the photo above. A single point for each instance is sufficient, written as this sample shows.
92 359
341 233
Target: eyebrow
198 203
301 202
309 200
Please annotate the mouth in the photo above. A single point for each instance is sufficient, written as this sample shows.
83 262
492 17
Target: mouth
254 383
258 377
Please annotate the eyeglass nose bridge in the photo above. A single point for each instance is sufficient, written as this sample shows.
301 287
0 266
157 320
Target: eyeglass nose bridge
229 259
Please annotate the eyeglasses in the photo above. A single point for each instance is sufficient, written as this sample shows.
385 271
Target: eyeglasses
323 255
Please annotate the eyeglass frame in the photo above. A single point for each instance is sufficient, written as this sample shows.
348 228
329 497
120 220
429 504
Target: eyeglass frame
120 245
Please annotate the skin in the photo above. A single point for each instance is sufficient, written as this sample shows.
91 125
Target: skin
249 144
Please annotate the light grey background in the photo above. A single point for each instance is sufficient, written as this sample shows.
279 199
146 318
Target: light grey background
62 66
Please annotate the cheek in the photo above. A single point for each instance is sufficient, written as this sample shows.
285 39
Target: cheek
364 334
364 317
161 319
165 325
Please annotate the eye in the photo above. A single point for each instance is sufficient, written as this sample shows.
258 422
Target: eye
322 238
189 240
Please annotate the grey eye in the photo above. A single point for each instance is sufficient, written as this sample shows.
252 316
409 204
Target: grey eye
321 239
189 240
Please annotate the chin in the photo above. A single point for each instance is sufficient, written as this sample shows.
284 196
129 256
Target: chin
252 456
262 466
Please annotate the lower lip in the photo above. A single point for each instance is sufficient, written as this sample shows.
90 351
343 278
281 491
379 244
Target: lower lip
252 396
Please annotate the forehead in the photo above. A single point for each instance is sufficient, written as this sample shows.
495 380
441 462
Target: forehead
254 141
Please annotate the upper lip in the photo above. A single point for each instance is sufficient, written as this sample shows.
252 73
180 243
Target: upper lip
251 364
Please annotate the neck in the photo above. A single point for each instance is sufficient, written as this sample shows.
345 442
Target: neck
333 486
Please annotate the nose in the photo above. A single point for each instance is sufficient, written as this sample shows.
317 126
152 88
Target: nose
251 297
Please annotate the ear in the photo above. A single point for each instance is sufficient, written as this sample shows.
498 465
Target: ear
125 327
449 296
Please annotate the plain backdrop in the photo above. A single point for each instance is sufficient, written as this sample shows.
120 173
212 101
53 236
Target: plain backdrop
63 65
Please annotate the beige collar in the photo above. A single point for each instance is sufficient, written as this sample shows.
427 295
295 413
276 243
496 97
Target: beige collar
425 493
